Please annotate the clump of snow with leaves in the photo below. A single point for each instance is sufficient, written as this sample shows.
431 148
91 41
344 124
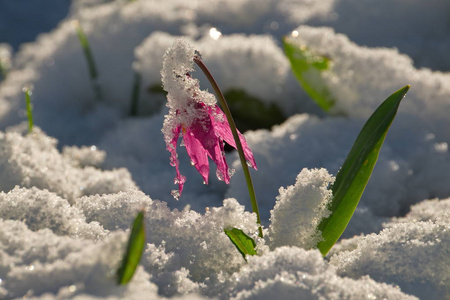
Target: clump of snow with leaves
71 189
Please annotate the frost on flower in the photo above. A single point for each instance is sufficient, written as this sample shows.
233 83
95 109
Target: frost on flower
299 210
194 114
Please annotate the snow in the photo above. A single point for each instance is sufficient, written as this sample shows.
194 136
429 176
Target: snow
386 256
299 209
71 189
33 161
291 273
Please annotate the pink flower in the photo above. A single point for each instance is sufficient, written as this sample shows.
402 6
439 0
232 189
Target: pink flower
195 116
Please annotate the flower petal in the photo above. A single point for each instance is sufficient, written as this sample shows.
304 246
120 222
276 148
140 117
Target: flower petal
197 153
222 129
204 134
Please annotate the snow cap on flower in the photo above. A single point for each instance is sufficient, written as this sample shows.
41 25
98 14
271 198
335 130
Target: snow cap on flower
181 87
194 114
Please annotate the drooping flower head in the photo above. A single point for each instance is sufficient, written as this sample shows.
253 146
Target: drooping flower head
195 116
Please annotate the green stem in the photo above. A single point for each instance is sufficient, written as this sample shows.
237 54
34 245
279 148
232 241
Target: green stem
28 92
234 131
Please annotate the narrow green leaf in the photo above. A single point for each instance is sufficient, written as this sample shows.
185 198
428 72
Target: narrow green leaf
84 42
245 244
135 94
307 67
352 178
134 250
28 91
5 60
3 69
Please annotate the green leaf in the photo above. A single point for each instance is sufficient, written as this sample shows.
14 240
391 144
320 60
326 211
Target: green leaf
251 113
84 42
307 67
134 250
352 178
245 244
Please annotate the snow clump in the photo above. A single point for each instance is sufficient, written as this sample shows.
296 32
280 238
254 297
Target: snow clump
32 159
294 273
182 89
41 209
299 209
409 253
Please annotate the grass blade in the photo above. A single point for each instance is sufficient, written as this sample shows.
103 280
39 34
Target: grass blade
352 178
135 94
84 42
307 67
134 250
245 244
28 92
5 60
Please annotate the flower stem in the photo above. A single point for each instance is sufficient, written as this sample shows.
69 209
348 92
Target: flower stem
237 140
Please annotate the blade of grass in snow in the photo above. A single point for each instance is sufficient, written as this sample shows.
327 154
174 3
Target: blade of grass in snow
135 94
307 67
28 90
5 60
84 42
352 178
134 250
245 244
3 69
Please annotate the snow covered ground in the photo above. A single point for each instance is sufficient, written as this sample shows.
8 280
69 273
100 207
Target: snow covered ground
71 189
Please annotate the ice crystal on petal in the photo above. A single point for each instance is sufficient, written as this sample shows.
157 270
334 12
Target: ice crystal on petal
195 116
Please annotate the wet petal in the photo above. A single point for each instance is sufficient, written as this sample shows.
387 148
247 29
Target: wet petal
172 147
222 129
197 153
204 133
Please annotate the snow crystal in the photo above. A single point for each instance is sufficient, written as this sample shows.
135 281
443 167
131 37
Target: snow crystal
33 160
43 262
42 209
299 210
413 255
294 273
84 156
183 90
116 211
429 210
177 62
